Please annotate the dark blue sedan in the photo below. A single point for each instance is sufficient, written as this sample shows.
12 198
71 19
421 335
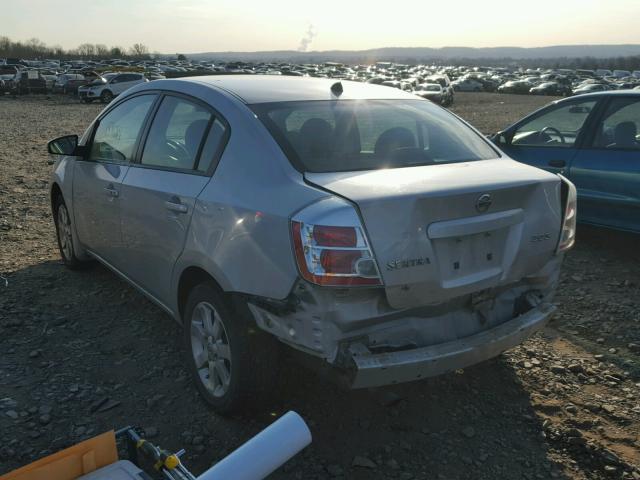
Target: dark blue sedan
593 140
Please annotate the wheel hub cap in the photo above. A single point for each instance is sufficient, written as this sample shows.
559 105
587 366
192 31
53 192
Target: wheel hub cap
210 348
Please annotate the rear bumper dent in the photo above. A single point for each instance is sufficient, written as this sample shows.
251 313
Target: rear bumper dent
372 370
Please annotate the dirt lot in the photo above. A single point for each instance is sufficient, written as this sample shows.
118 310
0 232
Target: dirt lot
82 352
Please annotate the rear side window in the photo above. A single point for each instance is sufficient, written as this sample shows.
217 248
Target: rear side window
130 77
117 133
212 145
176 134
348 135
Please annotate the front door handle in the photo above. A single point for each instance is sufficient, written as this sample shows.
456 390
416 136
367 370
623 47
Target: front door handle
176 206
557 163
112 192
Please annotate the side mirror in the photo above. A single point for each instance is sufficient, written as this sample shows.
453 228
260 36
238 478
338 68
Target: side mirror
63 145
67 145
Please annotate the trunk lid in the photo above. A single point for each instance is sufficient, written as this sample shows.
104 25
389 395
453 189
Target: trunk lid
442 231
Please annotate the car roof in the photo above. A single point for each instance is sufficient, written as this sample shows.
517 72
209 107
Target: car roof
624 92
272 88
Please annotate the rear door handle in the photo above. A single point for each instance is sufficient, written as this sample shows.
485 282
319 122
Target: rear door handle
112 192
176 206
557 163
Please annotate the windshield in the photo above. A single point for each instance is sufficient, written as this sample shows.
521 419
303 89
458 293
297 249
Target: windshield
348 135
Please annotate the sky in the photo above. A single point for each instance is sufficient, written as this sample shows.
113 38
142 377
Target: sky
191 26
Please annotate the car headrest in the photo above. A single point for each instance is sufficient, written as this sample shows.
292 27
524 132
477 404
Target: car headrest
393 139
625 134
315 137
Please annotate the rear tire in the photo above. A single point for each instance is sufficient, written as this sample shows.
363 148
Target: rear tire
233 363
64 229
106 96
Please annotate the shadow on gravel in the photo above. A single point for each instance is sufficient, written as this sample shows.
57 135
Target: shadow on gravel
83 352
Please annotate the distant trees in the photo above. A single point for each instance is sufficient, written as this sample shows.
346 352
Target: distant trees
36 49
139 50
181 56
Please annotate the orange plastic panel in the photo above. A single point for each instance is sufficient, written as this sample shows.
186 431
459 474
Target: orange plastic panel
71 463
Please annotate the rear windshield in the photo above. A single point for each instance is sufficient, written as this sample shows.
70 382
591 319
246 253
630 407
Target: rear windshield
348 135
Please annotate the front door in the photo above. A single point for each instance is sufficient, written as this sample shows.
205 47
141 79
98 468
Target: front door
97 178
607 171
160 192
549 139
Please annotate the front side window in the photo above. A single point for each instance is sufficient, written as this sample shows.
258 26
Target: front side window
117 132
620 126
558 128
176 134
340 136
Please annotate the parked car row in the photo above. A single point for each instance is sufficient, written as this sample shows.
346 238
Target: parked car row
89 85
67 77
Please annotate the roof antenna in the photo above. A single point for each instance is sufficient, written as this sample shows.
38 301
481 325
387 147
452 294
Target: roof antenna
336 89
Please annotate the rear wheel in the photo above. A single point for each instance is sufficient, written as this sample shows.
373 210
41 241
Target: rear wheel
233 363
62 220
106 96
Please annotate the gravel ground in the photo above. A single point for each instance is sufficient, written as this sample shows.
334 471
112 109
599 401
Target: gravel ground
82 352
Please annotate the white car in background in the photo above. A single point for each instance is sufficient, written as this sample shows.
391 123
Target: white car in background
103 79
430 91
105 92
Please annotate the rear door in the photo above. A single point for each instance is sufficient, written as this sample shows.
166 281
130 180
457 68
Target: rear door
607 171
97 178
550 138
160 190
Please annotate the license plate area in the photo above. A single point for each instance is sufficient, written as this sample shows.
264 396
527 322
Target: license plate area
467 259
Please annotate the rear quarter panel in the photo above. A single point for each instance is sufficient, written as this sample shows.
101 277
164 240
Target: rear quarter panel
239 232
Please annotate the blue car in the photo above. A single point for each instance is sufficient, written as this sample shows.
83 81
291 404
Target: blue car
593 140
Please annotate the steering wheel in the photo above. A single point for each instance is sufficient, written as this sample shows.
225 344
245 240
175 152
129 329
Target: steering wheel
181 153
555 131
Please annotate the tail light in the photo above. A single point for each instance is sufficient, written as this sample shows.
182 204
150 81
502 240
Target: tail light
570 197
333 255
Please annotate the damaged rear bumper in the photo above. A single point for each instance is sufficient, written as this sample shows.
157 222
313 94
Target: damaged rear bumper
372 370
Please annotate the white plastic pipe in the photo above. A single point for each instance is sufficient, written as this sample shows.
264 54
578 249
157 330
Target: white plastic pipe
265 452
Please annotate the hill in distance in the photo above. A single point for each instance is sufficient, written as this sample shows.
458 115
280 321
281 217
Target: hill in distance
424 54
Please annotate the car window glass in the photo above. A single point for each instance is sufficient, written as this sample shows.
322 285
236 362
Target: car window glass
211 146
116 79
330 136
621 125
117 132
176 134
558 128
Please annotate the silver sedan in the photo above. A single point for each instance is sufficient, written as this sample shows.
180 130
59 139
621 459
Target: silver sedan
354 223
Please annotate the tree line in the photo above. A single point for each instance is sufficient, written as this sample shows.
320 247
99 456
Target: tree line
35 49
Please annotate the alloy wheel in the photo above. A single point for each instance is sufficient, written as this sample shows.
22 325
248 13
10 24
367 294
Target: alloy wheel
210 349
64 232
